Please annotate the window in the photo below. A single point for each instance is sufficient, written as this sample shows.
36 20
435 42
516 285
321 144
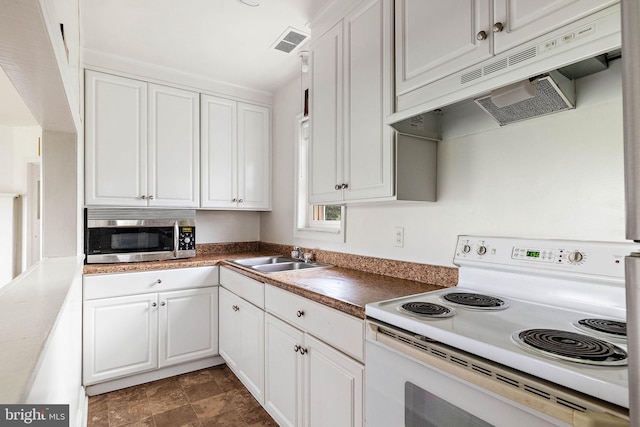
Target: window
325 222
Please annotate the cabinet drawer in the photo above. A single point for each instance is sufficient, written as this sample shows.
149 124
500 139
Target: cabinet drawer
122 284
243 286
341 330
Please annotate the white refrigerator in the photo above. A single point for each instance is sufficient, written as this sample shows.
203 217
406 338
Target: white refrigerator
10 237
631 111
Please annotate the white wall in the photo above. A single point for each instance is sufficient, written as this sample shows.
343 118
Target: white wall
559 176
18 146
227 226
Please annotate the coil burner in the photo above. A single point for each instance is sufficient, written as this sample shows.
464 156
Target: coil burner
612 329
476 301
571 346
426 309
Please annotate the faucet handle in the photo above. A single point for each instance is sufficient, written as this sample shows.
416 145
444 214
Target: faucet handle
307 256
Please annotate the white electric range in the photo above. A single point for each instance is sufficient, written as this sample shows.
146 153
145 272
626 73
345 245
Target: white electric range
535 329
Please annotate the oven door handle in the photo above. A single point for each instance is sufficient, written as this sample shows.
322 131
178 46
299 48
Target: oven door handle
176 238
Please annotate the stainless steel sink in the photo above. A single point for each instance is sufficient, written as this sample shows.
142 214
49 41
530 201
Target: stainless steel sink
250 262
276 264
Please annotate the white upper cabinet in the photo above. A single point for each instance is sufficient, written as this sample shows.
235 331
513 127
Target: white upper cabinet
236 155
173 149
351 150
437 38
518 21
142 143
116 140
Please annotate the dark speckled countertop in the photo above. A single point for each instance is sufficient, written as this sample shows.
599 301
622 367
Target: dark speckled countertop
344 289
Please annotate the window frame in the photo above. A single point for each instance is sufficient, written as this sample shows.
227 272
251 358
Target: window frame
304 223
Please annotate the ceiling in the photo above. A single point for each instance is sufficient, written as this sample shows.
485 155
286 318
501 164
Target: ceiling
220 40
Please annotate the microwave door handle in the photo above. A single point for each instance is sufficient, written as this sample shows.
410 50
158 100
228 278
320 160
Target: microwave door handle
176 239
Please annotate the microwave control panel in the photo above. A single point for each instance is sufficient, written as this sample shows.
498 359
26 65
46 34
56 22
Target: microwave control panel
187 238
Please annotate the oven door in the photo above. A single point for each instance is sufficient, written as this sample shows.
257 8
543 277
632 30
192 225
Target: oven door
411 387
108 241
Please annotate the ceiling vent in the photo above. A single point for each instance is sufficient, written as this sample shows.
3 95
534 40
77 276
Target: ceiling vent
289 40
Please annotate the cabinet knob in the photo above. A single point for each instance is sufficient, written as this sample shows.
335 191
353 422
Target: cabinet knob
235 308
302 350
345 185
150 197
163 303
296 348
233 200
300 313
153 304
338 187
143 197
498 27
240 201
157 282
482 35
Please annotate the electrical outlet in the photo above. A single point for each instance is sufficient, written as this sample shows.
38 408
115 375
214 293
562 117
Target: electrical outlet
399 234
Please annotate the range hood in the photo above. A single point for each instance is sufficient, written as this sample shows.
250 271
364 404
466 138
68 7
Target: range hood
540 96
528 81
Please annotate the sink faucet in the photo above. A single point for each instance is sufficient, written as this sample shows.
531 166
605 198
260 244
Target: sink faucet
297 253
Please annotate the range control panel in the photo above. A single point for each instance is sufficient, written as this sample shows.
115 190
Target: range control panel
585 257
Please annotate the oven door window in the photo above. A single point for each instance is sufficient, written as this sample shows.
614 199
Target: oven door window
423 409
129 240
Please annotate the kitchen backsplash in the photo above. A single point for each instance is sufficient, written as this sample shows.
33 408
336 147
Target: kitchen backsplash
424 273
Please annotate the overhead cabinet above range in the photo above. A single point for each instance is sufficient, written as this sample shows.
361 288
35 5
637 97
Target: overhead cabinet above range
435 39
142 143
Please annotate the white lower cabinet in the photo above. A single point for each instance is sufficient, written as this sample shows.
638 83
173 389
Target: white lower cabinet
242 340
131 334
242 329
310 382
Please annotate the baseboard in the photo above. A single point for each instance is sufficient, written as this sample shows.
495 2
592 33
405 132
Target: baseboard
154 375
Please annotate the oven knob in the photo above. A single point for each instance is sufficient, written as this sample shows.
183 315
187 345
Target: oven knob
466 249
482 250
576 257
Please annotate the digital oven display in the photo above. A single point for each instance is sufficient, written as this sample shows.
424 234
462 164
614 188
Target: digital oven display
533 254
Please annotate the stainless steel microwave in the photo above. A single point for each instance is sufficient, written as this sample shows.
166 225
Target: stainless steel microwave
132 235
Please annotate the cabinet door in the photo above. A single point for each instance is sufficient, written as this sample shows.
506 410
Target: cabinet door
188 325
120 337
228 317
333 387
368 85
219 155
251 347
283 372
325 145
242 340
116 140
436 38
524 20
254 157
173 147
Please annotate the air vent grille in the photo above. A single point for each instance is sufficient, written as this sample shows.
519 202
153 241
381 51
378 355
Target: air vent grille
289 40
502 64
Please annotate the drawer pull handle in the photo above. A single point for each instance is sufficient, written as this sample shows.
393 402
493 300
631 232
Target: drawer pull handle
157 282
300 313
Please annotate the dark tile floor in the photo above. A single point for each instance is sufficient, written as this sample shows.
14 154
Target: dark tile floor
205 398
